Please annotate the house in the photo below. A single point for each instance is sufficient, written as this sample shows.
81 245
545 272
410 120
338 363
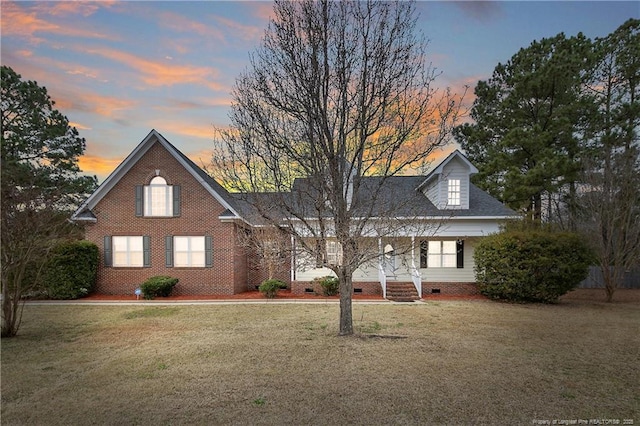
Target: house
158 213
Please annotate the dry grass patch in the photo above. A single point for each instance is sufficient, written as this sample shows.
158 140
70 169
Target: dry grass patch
452 363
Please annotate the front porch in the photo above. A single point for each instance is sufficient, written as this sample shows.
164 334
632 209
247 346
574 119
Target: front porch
404 269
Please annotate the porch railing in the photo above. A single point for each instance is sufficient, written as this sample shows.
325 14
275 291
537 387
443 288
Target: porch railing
416 278
382 277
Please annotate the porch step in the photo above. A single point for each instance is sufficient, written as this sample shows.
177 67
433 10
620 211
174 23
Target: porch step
402 292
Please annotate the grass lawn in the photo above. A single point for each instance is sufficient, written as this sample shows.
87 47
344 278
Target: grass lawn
447 362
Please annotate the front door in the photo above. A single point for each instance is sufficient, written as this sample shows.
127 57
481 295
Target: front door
389 259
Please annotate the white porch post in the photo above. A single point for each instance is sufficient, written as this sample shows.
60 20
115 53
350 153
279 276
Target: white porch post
415 272
293 259
382 277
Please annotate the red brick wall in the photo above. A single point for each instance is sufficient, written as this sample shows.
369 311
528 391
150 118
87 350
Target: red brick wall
369 288
199 216
450 288
298 287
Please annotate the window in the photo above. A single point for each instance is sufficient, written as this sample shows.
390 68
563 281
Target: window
334 253
158 198
128 251
189 252
442 254
453 192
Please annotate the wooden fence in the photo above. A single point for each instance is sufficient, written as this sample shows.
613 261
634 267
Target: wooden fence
631 279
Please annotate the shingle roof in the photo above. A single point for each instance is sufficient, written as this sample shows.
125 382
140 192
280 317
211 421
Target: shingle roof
397 196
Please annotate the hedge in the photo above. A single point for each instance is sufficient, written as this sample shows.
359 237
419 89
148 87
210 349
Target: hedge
530 265
71 271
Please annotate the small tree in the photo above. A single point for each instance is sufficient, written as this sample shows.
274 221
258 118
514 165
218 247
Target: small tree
270 249
40 185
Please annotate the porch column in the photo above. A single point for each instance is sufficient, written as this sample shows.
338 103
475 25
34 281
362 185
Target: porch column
415 272
293 259
382 277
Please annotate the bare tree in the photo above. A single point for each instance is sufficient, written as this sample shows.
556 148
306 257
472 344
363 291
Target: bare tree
269 250
338 100
609 207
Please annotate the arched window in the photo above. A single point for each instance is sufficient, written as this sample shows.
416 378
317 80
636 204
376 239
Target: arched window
158 198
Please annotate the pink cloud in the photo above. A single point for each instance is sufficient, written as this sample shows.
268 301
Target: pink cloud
179 23
161 73
20 22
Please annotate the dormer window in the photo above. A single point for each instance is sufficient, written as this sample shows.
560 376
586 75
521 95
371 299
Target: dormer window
453 192
157 199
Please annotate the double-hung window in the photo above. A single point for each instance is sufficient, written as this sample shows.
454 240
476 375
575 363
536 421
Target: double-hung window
127 251
334 253
189 252
442 254
453 192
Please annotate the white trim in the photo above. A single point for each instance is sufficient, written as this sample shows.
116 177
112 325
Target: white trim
440 168
416 218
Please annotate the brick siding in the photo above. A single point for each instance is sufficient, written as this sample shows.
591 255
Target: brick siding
368 288
115 215
464 289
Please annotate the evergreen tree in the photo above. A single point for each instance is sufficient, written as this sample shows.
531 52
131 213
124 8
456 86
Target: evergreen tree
41 184
523 138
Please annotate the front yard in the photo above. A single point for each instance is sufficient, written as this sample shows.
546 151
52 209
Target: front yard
446 362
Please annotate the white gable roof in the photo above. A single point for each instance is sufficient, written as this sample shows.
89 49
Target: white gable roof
208 183
440 168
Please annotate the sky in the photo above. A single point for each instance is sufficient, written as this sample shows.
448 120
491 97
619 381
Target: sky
117 69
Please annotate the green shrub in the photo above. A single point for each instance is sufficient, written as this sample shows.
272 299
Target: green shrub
530 265
270 287
158 286
330 285
71 271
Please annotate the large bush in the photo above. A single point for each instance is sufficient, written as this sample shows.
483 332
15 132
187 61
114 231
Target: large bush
71 271
530 265
158 286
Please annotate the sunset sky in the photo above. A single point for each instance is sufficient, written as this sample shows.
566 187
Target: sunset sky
119 69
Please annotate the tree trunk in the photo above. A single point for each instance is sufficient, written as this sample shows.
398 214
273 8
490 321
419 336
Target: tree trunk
9 314
610 281
346 290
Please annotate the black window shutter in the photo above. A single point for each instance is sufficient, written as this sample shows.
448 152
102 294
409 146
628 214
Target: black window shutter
460 254
139 202
108 257
146 251
424 253
168 251
176 200
208 251
319 256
